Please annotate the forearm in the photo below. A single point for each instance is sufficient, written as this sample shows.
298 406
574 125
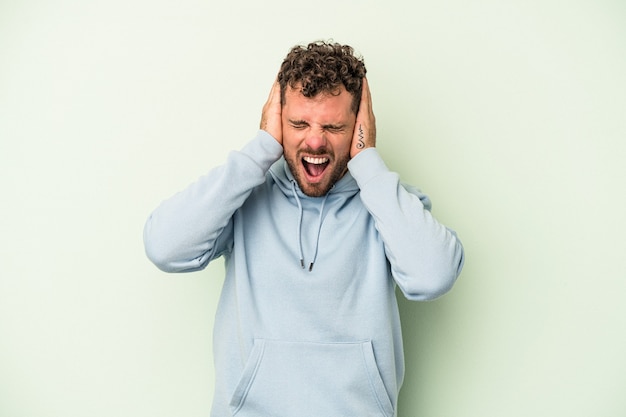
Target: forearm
425 256
182 232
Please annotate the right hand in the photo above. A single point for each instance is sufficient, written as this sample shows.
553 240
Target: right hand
271 118
365 125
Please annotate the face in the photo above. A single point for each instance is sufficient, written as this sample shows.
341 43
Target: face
317 134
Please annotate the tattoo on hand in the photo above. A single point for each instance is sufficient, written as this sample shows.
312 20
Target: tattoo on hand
361 143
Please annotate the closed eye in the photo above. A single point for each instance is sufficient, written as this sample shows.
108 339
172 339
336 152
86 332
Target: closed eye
298 124
335 128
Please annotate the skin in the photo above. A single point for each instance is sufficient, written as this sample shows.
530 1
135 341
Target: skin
319 129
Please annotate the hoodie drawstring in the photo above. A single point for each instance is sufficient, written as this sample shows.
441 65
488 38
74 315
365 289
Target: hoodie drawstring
293 189
319 226
319 230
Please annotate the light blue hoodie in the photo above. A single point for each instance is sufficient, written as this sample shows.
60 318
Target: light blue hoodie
307 324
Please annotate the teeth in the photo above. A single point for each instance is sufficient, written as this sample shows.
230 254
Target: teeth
316 161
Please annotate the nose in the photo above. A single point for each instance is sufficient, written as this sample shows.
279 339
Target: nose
315 140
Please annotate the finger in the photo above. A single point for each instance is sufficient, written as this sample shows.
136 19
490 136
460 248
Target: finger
273 98
271 115
365 128
275 91
366 97
365 106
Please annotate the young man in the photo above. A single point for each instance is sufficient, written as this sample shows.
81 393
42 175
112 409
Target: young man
316 233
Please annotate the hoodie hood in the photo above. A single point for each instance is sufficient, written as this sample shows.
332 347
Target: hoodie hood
342 190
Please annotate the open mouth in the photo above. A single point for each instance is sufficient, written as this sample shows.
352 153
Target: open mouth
315 166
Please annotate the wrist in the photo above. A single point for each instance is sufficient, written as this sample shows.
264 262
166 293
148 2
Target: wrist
358 148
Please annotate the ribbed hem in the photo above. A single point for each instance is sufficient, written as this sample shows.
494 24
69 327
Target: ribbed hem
366 166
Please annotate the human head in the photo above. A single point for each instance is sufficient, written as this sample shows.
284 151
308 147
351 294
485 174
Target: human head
322 67
321 87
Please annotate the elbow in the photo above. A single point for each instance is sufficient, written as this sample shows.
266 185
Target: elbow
436 279
168 257
158 255
429 288
166 261
158 259
155 251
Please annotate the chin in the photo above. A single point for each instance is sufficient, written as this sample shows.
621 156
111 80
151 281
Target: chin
318 189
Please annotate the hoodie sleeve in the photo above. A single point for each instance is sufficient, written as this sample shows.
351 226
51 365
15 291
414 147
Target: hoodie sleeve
188 230
425 256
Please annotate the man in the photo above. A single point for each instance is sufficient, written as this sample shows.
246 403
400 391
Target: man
316 233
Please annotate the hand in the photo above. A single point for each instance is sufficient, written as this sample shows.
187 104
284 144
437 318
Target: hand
365 126
271 118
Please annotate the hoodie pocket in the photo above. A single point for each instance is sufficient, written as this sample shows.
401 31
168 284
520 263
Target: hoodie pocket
287 379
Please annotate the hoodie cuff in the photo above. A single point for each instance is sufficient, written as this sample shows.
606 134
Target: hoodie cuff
367 165
268 143
263 149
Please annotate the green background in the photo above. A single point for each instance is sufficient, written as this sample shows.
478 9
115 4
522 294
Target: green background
509 115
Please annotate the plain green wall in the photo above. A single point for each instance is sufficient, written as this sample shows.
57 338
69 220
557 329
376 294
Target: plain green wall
510 115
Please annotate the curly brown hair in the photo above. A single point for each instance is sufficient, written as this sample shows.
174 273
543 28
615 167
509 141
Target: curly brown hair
322 67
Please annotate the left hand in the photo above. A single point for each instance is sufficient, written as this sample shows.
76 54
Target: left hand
365 127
